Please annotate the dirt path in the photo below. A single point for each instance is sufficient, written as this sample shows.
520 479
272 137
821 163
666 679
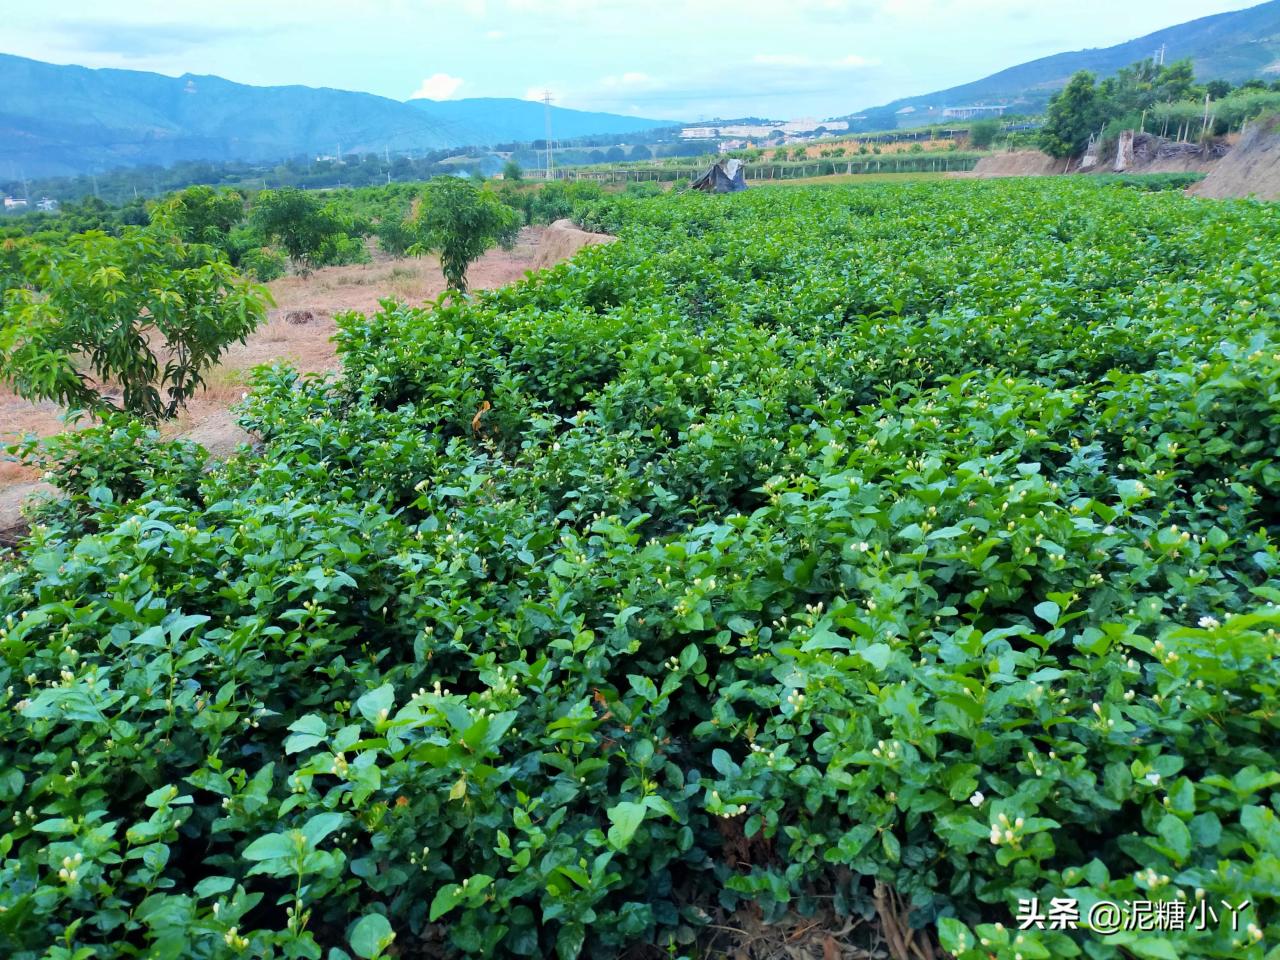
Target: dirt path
323 294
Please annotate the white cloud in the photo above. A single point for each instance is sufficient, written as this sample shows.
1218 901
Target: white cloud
782 60
852 61
633 78
438 86
495 35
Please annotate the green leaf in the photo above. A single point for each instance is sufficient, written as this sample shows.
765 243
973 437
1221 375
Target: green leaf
375 706
274 846
1048 611
459 788
954 936
311 724
1157 948
321 825
626 818
892 847
1175 833
371 935
182 624
643 686
877 654
301 741
446 898
212 886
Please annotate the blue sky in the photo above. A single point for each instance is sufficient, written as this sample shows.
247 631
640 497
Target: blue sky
727 58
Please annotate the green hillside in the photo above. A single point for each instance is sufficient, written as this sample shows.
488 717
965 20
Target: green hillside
57 120
1231 46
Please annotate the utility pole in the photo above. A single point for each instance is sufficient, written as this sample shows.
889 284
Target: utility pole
551 164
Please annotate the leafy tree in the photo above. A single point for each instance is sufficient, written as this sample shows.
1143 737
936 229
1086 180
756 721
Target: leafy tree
309 232
1177 81
1073 114
615 154
1217 89
460 222
983 133
88 213
641 152
95 309
11 276
200 215
511 171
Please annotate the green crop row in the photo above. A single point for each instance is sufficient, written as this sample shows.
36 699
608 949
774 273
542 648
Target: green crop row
798 543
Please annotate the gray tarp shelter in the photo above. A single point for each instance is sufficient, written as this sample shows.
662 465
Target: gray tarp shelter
723 177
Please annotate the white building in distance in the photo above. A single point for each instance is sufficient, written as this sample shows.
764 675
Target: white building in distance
757 131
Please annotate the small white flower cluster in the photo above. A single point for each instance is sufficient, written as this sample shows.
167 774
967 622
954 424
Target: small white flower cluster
436 690
413 857
1005 831
505 683
796 699
1152 879
69 872
1106 722
887 750
729 810
770 757
233 939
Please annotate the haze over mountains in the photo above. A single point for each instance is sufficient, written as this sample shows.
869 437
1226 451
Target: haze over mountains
64 120
58 120
1229 46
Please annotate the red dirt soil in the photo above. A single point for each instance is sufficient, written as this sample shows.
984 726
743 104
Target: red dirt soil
325 293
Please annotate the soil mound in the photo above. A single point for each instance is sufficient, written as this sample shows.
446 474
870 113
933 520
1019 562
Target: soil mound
1018 163
1252 169
562 240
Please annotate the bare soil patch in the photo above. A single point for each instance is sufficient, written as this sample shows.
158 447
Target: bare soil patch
1016 163
298 330
1251 169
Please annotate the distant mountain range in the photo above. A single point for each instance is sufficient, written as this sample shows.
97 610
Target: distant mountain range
63 120
1230 46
